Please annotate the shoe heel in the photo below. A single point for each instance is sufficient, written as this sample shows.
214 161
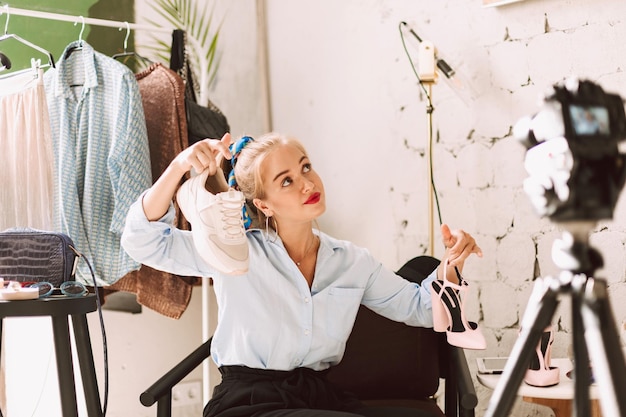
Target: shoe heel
441 320
539 372
183 200
185 196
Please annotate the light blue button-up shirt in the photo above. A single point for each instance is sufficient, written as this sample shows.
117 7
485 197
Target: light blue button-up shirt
268 318
102 156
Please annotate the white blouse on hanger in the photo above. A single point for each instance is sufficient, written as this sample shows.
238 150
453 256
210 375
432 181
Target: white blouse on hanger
26 159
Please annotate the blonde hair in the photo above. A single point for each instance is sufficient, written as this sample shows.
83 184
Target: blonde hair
248 168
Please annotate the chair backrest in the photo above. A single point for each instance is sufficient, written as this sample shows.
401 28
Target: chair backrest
389 360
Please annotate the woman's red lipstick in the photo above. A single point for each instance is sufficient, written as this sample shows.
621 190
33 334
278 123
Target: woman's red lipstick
315 197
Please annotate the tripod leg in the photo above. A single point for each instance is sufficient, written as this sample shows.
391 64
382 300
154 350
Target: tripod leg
609 366
582 374
539 313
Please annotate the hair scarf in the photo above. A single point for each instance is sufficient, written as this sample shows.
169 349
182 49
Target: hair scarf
235 150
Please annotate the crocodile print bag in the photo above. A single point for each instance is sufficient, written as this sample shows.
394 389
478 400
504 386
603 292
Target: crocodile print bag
30 255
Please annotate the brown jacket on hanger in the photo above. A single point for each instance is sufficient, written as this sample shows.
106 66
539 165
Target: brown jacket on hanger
163 96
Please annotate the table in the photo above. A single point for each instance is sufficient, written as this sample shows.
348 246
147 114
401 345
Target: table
59 309
558 397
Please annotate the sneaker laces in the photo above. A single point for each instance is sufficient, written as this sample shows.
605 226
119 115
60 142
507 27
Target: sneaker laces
232 219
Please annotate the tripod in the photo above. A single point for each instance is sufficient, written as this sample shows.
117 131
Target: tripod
593 329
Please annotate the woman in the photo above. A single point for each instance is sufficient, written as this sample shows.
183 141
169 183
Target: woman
287 319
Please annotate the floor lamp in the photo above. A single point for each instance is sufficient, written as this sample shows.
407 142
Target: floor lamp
428 79
428 68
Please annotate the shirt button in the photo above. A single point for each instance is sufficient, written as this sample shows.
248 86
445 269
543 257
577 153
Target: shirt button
307 332
307 299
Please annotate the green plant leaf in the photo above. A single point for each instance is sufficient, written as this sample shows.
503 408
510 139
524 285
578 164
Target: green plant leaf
198 22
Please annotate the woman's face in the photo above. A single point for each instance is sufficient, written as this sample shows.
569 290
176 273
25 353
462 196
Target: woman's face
293 190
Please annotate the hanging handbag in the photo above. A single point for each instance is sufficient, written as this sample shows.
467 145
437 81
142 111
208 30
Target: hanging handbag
30 255
202 122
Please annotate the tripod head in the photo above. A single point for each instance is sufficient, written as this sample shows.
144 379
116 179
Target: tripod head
573 253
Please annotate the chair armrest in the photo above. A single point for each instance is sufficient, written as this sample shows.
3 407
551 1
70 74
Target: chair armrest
465 387
165 384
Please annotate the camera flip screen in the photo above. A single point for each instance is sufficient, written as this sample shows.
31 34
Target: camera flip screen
589 120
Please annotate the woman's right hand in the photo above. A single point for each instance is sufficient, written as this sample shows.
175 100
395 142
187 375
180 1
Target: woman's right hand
199 156
203 155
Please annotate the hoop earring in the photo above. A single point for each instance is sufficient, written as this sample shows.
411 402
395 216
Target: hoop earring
267 229
275 227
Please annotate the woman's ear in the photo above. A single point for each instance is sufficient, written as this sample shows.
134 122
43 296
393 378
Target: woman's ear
260 205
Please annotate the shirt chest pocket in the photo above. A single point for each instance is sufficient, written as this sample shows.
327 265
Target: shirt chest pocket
342 308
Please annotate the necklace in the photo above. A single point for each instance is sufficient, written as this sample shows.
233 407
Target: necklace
307 251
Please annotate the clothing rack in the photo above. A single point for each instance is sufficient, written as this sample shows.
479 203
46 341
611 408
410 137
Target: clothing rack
5 9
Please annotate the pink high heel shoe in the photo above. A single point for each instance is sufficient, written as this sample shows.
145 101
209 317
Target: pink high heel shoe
449 314
539 372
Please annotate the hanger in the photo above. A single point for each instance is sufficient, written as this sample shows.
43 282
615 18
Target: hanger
5 62
21 40
80 38
127 54
35 64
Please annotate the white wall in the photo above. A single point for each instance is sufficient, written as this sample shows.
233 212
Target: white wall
341 82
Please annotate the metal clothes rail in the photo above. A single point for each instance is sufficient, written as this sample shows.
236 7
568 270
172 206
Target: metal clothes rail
80 19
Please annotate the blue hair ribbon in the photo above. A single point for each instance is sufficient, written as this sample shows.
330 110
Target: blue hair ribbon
235 150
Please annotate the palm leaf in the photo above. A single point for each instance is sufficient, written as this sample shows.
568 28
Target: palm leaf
198 23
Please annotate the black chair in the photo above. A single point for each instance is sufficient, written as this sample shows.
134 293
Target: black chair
386 363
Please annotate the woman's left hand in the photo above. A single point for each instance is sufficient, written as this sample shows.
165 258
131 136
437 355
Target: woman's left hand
459 245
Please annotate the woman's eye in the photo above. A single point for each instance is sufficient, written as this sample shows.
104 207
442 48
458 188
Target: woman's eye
287 181
306 167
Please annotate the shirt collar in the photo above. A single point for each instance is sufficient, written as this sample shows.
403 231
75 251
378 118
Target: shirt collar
63 68
328 244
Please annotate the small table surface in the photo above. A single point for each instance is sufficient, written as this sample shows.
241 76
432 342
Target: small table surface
558 397
564 390
51 306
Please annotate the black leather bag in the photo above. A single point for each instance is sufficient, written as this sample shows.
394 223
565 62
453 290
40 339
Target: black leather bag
202 121
30 255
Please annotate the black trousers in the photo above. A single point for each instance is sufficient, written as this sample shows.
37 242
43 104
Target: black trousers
366 411
302 392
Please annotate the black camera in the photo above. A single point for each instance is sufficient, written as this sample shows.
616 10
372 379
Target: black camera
575 165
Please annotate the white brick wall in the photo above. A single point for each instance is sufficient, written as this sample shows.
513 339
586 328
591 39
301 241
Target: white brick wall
348 92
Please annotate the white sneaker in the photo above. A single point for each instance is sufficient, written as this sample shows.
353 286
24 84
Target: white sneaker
216 224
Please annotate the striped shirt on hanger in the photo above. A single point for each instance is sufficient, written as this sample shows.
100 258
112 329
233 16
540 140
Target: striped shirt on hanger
102 157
